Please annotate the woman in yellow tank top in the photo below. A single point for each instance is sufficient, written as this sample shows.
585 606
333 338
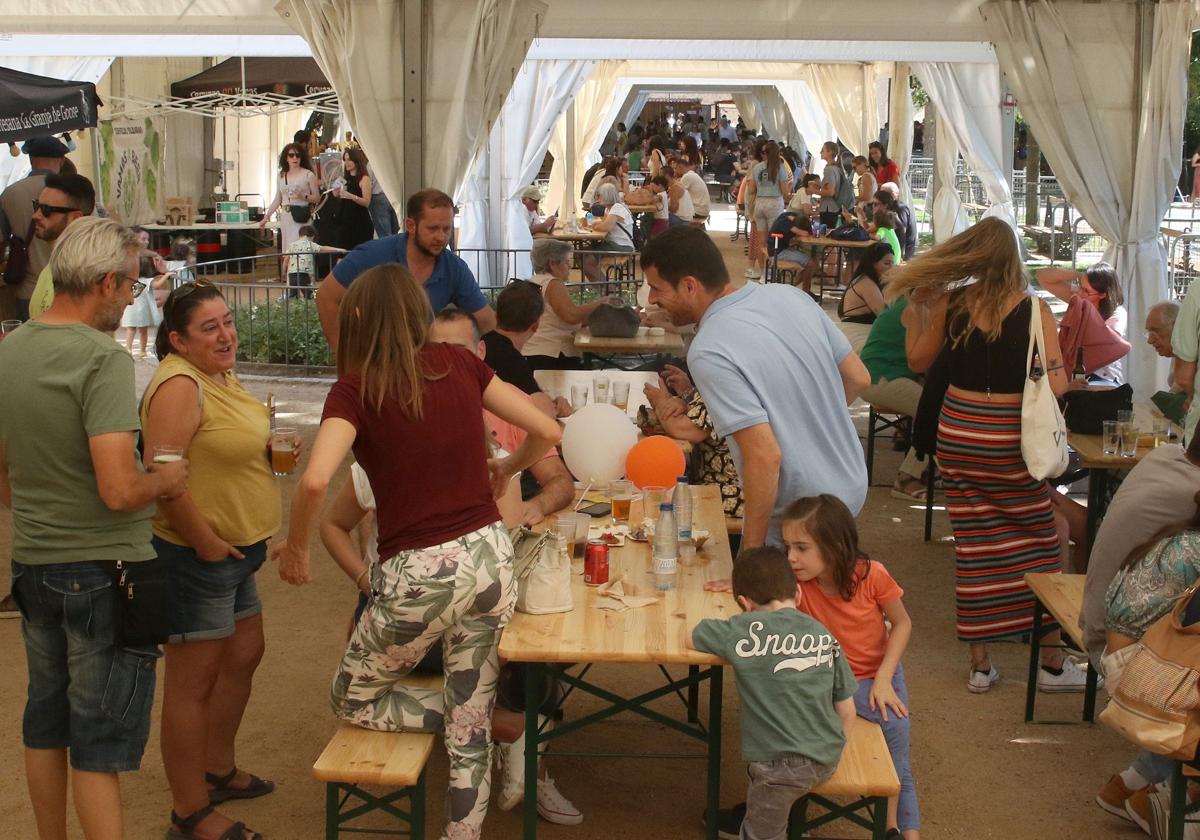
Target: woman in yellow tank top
213 539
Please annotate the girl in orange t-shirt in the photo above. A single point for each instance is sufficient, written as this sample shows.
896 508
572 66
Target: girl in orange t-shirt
852 596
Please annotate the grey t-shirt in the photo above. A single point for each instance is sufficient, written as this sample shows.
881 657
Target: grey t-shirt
832 174
63 384
1158 492
790 671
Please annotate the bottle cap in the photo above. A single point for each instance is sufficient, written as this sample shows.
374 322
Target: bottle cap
681 480
666 506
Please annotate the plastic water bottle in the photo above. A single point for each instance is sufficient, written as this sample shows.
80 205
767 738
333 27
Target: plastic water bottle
590 218
682 504
665 549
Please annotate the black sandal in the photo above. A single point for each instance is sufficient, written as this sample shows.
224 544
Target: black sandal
185 829
222 792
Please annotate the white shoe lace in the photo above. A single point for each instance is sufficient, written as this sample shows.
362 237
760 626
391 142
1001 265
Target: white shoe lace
550 798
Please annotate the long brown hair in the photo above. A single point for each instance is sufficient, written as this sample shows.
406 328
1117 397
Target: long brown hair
384 322
305 160
771 156
1192 523
831 525
987 252
360 162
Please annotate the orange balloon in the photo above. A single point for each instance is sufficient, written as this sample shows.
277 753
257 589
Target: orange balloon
656 461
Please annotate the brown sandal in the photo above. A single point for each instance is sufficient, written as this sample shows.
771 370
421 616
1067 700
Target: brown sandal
185 828
222 792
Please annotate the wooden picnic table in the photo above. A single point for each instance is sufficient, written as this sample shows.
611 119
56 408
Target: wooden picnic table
640 208
1100 469
650 635
642 343
578 235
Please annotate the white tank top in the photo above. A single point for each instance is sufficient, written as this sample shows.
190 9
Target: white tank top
554 336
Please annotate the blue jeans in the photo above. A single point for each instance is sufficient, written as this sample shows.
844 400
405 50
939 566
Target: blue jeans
86 694
896 733
383 217
1153 767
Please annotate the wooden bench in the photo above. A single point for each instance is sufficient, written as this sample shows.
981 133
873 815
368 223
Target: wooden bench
357 756
1061 597
865 776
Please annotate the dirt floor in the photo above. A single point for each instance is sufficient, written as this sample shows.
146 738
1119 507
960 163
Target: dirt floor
982 773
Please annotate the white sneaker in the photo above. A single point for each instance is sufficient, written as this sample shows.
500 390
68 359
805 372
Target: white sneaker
754 274
1072 678
1160 812
511 758
553 807
979 682
749 272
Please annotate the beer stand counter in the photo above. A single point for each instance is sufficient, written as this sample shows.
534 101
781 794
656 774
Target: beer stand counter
650 635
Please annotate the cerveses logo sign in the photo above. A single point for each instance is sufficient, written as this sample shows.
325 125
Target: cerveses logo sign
281 89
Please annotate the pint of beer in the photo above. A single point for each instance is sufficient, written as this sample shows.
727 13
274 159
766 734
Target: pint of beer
167 454
283 451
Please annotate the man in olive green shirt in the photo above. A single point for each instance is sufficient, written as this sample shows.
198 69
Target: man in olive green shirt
70 473
64 199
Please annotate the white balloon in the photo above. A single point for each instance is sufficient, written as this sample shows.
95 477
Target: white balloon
596 441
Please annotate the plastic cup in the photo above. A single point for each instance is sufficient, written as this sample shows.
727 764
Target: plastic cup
167 454
600 389
583 524
620 493
620 395
579 396
652 497
1129 440
1112 437
8 326
563 528
283 451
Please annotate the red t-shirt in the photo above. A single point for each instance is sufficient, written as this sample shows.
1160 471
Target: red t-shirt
857 623
430 476
884 174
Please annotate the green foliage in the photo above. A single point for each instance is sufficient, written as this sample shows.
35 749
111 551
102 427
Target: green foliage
1191 122
919 96
282 332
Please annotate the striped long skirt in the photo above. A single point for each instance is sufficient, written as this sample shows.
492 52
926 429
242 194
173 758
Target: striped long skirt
1002 517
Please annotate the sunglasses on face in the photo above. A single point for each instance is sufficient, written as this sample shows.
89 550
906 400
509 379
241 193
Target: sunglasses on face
48 210
293 154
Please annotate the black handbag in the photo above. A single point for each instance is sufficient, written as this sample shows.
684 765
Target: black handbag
1086 411
140 602
301 213
848 233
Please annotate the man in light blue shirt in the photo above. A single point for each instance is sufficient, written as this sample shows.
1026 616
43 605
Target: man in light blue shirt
777 377
422 249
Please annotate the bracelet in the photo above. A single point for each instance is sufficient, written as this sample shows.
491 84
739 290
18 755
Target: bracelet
361 575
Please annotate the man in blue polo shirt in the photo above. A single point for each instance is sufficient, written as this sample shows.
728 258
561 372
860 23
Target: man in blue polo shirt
428 223
775 373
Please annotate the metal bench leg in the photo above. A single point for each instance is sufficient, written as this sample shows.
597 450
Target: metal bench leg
693 695
1035 647
713 789
879 812
930 480
1175 821
870 445
416 807
1089 695
332 807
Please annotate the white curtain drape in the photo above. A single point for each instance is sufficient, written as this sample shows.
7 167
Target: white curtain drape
900 127
967 98
777 117
812 123
749 110
358 46
641 97
1113 144
13 169
592 103
491 212
949 217
843 95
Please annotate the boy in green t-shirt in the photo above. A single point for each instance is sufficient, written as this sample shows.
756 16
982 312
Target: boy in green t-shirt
797 689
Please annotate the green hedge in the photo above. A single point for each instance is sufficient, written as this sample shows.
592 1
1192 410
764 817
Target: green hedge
283 332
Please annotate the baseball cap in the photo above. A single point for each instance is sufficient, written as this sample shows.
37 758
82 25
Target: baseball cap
45 147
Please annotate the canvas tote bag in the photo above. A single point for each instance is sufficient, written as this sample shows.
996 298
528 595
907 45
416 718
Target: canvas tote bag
1156 701
543 574
1043 429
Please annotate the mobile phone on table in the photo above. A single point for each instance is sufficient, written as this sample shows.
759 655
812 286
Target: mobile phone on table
597 509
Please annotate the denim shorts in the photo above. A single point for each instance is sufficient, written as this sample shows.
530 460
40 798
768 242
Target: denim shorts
86 694
206 600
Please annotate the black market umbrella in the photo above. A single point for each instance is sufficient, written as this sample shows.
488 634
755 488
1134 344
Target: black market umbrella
33 106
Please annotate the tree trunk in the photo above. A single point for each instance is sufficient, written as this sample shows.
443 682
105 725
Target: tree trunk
1033 171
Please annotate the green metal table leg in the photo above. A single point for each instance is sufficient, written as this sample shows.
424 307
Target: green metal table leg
416 808
1035 646
1097 494
535 674
693 696
332 807
1089 695
715 673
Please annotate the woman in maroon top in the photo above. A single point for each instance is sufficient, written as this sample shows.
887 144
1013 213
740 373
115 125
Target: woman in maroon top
412 412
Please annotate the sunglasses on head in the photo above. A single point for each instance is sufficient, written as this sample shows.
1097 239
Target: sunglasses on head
186 289
50 209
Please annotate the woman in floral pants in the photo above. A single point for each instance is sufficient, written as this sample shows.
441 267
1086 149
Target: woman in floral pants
412 411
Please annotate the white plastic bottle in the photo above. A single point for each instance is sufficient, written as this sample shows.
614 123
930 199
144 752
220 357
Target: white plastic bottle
682 503
665 549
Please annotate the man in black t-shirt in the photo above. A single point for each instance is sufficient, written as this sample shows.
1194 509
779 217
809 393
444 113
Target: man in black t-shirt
523 306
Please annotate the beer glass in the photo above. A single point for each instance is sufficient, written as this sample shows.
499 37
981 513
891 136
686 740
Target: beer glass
620 494
600 389
579 396
167 454
1112 437
620 395
283 451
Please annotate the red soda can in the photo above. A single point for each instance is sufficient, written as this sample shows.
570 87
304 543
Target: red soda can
595 563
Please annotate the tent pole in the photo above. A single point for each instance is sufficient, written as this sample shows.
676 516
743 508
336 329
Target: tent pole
568 204
414 97
866 121
99 182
